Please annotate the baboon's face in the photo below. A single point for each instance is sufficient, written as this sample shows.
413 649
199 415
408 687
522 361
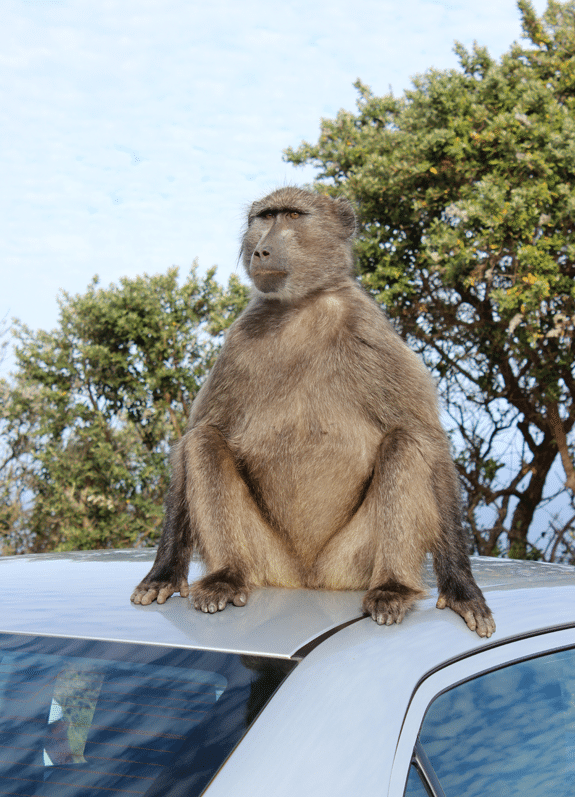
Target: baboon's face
296 242
278 232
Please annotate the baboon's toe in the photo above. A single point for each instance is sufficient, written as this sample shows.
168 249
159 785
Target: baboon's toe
476 614
389 603
160 591
210 595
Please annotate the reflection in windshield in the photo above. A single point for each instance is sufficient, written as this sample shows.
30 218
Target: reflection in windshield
100 718
509 732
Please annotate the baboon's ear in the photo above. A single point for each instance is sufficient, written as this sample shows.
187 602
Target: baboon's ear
346 215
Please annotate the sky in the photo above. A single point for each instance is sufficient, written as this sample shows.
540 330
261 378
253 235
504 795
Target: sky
135 133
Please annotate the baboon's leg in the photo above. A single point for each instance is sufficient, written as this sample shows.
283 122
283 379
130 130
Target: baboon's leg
408 509
210 508
169 573
403 517
236 541
414 508
457 587
383 546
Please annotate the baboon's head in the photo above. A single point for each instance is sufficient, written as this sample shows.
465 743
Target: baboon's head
297 242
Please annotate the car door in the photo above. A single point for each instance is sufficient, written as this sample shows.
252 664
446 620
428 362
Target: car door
499 722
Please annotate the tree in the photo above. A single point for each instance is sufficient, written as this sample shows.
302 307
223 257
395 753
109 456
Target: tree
95 404
12 481
465 188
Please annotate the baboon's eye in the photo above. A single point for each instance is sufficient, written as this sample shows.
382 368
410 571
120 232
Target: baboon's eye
294 214
269 215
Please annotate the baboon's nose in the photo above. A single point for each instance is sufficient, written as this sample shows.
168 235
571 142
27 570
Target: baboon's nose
262 252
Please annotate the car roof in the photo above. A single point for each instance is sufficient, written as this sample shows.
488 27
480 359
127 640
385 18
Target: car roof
87 595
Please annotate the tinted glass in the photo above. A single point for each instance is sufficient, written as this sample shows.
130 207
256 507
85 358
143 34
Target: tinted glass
415 787
103 719
509 732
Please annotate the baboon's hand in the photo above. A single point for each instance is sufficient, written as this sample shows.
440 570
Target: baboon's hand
159 591
475 612
213 592
388 604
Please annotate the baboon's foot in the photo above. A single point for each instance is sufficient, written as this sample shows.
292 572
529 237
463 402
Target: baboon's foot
160 591
213 592
388 603
475 612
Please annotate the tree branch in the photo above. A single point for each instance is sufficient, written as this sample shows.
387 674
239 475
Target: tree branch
558 432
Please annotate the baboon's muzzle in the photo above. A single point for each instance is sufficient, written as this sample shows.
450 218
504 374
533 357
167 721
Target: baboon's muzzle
268 267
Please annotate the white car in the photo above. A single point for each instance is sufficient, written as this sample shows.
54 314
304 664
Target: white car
295 694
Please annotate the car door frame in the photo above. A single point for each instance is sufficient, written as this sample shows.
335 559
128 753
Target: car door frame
500 654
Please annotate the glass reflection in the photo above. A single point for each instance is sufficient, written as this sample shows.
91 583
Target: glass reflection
509 732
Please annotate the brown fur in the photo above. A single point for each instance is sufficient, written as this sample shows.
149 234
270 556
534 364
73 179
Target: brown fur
314 455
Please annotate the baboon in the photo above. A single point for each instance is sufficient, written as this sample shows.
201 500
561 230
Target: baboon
314 455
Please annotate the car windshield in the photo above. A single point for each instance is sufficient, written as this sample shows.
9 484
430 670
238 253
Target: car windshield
85 717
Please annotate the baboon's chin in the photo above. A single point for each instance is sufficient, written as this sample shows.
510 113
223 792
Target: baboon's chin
269 281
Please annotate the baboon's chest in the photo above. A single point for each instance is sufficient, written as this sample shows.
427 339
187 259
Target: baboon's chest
310 459
305 412
304 432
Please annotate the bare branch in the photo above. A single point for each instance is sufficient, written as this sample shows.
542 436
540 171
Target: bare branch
556 426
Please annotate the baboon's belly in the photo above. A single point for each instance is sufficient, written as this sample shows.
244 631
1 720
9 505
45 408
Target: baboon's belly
311 472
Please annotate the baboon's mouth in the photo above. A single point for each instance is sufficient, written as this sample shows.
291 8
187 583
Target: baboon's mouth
269 280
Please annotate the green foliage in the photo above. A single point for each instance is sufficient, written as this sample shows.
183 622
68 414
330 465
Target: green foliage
95 404
465 188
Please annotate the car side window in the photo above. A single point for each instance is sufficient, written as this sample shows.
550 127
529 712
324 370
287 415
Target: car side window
507 732
415 787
